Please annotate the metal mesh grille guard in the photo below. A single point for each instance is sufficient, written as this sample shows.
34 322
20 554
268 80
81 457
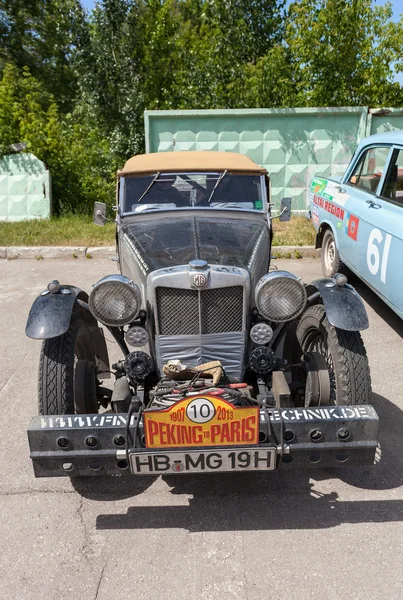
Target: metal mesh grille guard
190 312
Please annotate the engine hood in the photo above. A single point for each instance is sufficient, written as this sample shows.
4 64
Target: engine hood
170 240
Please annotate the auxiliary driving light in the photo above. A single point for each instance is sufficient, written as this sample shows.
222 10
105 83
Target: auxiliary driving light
262 360
137 336
261 333
138 365
115 300
280 296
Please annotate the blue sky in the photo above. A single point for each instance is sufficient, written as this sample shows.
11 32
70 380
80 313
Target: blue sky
88 4
397 7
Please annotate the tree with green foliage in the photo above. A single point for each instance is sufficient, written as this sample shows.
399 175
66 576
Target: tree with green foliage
169 55
42 35
110 87
76 152
344 51
74 87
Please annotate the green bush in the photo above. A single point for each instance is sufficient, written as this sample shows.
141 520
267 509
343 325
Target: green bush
81 163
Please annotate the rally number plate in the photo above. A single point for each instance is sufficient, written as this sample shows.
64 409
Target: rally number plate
203 461
202 420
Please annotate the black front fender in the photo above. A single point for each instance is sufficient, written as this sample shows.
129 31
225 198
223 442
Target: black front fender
343 305
50 314
50 317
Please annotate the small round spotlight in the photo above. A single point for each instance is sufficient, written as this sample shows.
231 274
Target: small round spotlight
261 333
137 336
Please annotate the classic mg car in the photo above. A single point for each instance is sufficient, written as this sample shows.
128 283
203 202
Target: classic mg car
227 364
359 218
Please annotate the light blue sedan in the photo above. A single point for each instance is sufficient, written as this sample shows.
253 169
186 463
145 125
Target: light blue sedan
359 218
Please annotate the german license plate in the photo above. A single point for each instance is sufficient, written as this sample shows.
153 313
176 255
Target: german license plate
203 461
202 420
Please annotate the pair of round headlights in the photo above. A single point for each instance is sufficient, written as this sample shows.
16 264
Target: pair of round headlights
116 301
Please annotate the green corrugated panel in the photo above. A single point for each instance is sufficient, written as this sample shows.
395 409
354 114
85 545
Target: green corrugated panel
292 144
385 119
25 188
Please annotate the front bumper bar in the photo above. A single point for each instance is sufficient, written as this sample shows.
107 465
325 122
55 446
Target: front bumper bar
76 445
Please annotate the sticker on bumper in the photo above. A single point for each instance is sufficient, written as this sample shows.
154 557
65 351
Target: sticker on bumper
201 421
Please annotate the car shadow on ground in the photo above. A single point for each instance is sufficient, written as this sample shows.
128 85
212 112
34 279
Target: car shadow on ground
112 488
276 500
377 304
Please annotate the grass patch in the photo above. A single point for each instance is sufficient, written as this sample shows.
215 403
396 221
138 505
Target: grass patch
71 230
299 231
78 230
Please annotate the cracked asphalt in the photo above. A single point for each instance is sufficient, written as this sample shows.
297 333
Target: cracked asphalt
333 534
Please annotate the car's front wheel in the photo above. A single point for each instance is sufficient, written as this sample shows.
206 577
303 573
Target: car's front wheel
67 378
344 354
331 263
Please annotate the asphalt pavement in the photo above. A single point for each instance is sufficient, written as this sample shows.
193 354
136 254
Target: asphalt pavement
317 534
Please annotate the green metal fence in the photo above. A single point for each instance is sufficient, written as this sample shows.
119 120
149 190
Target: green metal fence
25 188
293 144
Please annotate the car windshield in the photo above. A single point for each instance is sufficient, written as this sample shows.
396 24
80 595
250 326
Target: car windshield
186 190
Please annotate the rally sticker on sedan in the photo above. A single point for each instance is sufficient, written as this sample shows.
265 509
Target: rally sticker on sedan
352 226
201 421
329 207
315 214
318 186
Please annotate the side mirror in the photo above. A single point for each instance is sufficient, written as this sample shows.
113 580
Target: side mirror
99 217
285 209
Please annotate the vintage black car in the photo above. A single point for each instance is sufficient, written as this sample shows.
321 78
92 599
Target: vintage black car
227 364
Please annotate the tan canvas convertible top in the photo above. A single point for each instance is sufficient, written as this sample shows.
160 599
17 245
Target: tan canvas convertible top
191 162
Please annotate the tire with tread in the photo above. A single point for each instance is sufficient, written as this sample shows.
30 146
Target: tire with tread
57 372
348 369
331 262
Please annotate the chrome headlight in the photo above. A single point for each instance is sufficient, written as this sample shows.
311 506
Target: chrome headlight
280 296
115 300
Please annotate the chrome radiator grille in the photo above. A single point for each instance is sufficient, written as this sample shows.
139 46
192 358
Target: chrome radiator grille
192 312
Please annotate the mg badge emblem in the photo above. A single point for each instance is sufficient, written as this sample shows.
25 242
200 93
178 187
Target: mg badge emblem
199 280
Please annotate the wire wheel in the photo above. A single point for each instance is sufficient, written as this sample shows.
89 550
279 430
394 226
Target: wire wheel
344 354
317 342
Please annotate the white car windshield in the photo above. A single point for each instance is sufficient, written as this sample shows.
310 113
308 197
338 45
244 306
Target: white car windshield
187 190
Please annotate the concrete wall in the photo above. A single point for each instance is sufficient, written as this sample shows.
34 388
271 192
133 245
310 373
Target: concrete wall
293 144
25 188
